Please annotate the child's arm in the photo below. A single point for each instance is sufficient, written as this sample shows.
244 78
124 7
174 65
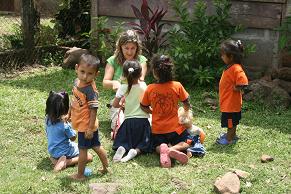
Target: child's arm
116 103
239 88
73 138
146 109
91 128
186 105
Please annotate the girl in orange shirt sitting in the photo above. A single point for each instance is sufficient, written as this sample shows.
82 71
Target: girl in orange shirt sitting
232 81
161 99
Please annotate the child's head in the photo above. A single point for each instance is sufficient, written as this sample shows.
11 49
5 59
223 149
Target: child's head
128 46
162 68
232 52
132 72
57 105
185 117
87 68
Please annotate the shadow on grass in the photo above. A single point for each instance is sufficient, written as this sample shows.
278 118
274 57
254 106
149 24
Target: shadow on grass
45 164
216 148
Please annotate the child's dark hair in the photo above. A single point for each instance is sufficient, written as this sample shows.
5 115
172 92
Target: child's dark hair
90 60
132 71
233 49
57 105
163 68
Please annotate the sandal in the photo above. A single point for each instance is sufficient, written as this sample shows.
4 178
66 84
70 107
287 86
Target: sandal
164 156
179 156
223 141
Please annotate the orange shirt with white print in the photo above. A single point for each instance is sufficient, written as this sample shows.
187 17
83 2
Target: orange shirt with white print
84 98
163 99
229 99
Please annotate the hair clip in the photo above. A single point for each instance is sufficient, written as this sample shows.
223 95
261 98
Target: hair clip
130 70
238 43
130 33
63 93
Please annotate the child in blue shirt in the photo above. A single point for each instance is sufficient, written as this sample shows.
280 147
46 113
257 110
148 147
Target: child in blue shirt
60 135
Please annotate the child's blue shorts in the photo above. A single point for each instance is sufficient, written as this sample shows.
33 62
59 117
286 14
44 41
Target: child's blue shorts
230 119
84 143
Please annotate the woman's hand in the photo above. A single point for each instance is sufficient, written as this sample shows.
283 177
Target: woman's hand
115 85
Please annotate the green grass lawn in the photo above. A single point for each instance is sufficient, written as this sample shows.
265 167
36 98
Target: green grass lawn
25 167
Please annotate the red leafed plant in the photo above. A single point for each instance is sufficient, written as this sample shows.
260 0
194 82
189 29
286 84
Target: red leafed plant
150 27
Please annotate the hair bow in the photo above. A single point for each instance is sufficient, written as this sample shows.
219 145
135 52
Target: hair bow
130 70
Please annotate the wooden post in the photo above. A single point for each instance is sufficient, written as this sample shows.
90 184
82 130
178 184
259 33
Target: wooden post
94 30
28 22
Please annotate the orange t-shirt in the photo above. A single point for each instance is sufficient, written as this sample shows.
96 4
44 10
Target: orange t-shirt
163 99
84 98
229 99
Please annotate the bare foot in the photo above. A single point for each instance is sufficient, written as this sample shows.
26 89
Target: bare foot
103 170
54 161
77 177
61 164
189 154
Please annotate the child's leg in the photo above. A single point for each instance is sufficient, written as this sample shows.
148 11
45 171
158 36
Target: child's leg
175 152
131 154
231 133
81 165
61 164
119 154
182 146
73 161
103 157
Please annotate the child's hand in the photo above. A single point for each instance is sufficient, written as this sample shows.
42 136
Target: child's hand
88 134
67 118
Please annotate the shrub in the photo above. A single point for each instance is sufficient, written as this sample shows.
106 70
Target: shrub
106 38
195 40
150 28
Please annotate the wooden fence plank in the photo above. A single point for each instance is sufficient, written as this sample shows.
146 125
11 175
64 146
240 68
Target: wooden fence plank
248 13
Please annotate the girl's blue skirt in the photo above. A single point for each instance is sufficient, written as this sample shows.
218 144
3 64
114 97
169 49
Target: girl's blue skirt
134 133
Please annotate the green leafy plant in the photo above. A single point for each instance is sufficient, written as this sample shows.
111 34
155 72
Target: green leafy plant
47 35
73 18
194 41
106 39
150 27
14 40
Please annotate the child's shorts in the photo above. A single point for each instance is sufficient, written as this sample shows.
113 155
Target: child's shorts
84 143
172 138
230 119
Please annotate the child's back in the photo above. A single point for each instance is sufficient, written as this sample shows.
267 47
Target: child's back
59 143
132 100
164 99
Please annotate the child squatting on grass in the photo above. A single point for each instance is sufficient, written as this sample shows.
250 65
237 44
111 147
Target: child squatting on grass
161 99
83 112
134 135
63 152
232 81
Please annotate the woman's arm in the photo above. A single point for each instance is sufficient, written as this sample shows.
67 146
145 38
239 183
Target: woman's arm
143 71
107 80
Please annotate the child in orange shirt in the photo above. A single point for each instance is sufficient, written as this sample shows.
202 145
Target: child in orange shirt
161 99
232 81
83 113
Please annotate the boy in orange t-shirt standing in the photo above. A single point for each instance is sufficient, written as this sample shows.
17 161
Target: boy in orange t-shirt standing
232 81
83 112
